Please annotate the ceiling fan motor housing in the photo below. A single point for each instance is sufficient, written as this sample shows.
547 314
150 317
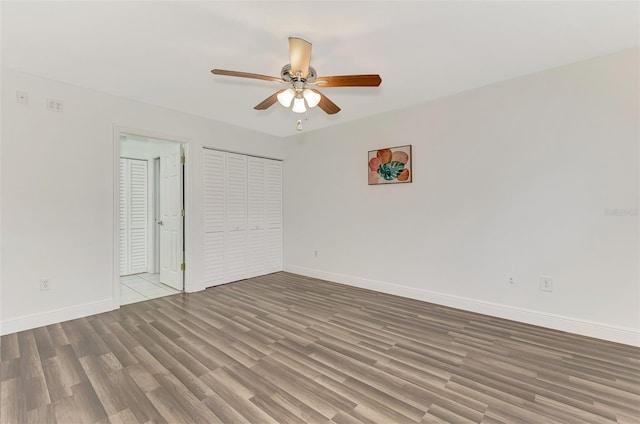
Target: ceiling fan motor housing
286 75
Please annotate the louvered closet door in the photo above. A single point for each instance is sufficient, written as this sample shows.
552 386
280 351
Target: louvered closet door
124 217
235 258
256 199
214 217
138 216
242 216
133 216
273 216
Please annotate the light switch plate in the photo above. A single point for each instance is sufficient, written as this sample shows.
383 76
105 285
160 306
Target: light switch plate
22 97
546 283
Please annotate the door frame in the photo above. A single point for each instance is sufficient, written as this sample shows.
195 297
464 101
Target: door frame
119 131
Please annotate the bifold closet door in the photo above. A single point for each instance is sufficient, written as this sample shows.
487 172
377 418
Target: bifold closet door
124 217
214 216
133 216
256 201
235 247
273 216
242 217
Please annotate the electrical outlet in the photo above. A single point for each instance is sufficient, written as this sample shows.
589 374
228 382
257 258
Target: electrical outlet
54 105
45 284
512 281
316 253
546 283
22 97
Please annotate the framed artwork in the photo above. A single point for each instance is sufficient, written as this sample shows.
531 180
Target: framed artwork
390 165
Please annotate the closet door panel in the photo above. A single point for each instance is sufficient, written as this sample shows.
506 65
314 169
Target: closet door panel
273 237
214 191
256 198
273 194
133 216
235 249
256 260
256 195
273 250
124 218
138 217
235 255
214 258
214 217
236 195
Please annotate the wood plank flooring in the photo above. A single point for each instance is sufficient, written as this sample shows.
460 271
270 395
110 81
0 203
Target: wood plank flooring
289 349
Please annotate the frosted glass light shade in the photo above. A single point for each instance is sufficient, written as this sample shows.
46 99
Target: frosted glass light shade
311 97
286 96
298 106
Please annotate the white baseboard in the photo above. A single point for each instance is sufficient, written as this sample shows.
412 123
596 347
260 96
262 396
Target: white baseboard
624 335
199 286
59 315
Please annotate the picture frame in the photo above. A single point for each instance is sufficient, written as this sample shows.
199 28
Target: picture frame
390 165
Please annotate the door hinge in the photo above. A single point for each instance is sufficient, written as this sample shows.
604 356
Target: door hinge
182 212
183 266
182 160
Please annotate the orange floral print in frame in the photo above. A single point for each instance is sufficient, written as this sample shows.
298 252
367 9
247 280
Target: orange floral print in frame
390 165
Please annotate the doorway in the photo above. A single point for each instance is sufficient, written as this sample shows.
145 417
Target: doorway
151 218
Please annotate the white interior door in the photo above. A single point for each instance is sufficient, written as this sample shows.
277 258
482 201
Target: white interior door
171 241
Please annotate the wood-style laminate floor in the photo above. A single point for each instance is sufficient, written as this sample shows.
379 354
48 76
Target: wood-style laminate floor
289 349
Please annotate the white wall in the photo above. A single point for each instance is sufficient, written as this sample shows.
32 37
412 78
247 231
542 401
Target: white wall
510 180
57 188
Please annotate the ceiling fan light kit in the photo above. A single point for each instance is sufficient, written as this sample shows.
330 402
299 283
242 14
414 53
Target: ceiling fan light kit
299 97
300 76
286 97
298 105
311 97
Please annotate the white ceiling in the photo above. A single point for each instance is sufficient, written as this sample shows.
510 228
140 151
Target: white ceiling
162 52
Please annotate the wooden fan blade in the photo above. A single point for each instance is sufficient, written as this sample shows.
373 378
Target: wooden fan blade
268 102
244 75
327 105
372 80
299 56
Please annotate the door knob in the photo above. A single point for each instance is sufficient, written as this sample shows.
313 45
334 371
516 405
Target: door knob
160 223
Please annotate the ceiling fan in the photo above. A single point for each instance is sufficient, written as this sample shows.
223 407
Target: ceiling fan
302 80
